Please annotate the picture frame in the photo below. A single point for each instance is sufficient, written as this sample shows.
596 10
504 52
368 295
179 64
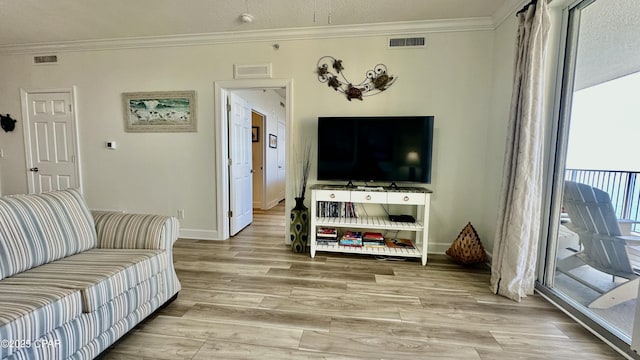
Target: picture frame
273 141
160 111
255 134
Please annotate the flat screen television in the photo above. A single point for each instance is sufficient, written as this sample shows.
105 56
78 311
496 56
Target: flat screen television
375 149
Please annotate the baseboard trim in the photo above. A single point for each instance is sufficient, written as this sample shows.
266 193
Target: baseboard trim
437 248
197 234
272 204
441 248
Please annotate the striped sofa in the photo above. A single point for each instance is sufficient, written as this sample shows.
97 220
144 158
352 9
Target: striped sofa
72 282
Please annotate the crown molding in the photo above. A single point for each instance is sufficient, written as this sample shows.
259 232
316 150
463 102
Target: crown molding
319 32
508 8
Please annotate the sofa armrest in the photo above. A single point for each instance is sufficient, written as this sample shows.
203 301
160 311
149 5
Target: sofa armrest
117 230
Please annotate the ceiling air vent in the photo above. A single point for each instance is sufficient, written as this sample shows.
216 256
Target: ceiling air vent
407 42
45 59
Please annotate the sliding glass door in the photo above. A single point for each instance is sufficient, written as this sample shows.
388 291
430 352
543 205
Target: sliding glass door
592 257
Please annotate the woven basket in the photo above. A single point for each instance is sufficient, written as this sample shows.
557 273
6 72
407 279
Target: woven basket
467 248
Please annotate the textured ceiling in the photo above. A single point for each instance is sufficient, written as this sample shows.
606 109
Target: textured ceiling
609 42
47 21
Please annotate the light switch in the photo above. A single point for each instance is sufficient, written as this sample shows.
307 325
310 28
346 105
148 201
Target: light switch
111 145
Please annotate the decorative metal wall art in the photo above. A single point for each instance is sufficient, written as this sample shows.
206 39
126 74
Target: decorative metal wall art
7 123
330 71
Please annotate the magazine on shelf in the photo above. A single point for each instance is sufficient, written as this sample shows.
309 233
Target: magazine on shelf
399 243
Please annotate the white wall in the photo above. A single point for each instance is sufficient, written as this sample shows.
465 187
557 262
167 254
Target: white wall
504 52
452 79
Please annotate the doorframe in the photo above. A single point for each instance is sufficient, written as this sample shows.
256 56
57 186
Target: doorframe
221 90
24 93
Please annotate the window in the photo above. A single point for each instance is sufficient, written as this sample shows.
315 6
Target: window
592 264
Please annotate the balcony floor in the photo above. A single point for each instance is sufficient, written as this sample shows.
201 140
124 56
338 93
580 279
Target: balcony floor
620 316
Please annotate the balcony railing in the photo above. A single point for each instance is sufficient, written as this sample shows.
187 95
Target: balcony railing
623 188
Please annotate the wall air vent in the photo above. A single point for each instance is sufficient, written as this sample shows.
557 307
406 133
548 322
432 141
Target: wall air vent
259 71
45 59
407 42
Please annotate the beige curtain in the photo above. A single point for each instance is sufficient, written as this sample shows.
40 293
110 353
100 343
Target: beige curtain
516 244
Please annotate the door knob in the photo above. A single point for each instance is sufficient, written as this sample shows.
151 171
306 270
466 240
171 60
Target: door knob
34 169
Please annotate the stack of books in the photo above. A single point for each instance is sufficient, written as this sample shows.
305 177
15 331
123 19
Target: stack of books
373 239
351 238
326 236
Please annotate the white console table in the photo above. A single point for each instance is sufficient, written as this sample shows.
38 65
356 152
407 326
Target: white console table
413 197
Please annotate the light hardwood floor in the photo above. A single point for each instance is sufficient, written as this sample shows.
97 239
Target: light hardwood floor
252 298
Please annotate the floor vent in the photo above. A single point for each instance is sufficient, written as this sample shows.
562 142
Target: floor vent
407 42
45 59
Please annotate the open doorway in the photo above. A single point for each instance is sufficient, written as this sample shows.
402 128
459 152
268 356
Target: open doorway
258 122
275 136
268 145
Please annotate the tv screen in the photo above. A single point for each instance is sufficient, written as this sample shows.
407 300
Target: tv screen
375 149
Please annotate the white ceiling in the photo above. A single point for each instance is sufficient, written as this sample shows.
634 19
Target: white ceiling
55 21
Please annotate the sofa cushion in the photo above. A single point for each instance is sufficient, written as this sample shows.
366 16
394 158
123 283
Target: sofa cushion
39 228
99 274
88 327
29 312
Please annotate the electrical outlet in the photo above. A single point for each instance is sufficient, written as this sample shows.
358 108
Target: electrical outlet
180 214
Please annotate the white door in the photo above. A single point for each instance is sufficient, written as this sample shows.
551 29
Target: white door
50 141
282 136
241 184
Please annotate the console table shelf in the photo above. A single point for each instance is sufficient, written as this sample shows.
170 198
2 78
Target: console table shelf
416 253
417 199
379 222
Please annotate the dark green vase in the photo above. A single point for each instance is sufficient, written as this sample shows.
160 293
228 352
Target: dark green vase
299 227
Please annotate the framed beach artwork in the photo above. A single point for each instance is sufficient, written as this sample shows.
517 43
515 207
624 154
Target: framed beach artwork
160 111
